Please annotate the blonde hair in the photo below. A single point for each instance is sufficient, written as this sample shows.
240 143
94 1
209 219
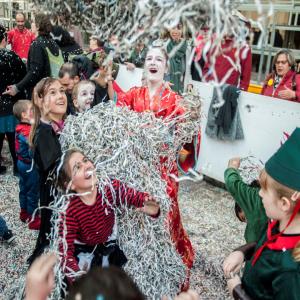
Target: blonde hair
20 107
39 92
76 87
296 252
267 182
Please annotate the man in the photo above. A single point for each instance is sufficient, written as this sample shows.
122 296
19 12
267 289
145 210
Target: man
20 37
12 70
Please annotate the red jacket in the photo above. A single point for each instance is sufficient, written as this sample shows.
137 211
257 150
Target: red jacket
291 80
20 41
240 78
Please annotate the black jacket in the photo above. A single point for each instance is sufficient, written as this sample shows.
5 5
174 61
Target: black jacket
12 70
38 65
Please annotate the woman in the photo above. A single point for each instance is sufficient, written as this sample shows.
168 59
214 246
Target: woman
283 82
177 60
165 104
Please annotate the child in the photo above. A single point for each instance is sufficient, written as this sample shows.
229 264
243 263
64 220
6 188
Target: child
83 95
6 234
248 200
273 272
28 175
49 108
69 76
87 225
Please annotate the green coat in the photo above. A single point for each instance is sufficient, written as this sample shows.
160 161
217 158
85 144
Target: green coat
250 202
275 275
177 64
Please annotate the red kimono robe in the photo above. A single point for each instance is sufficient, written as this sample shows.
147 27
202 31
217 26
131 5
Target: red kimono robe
165 104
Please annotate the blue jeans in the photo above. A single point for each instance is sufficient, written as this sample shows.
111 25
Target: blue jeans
29 187
3 226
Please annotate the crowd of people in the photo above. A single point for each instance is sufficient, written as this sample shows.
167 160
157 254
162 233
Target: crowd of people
47 75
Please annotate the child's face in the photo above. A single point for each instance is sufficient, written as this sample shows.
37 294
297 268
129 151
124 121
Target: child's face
27 115
155 65
55 100
82 173
85 97
271 203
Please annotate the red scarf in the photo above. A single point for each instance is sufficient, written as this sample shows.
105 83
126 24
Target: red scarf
277 241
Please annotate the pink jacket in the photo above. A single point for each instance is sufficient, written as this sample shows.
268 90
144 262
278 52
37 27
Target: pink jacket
291 80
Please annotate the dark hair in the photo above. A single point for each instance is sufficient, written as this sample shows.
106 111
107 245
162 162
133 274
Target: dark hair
111 283
3 33
19 107
43 24
68 68
238 210
289 56
64 177
98 40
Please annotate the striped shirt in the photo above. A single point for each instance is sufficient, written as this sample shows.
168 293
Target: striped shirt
93 224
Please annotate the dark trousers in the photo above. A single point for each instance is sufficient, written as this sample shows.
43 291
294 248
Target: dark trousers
29 187
11 144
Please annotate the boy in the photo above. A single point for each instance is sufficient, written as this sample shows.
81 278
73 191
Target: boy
68 76
272 269
248 200
29 180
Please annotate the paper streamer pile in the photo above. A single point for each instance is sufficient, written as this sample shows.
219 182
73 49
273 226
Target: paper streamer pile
127 146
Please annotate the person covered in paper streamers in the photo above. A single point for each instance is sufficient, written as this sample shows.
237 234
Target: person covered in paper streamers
49 108
283 82
83 95
88 222
165 104
273 263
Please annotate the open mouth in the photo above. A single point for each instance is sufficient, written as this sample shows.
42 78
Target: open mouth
153 71
89 173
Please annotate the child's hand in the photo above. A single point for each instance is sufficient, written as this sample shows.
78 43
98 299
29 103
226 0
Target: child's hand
233 263
151 207
232 283
234 163
295 196
188 295
40 278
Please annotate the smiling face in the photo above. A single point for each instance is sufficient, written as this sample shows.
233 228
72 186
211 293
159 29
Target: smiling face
55 101
20 20
176 33
85 96
282 65
81 171
155 65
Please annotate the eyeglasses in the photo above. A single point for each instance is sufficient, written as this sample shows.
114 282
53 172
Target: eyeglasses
281 62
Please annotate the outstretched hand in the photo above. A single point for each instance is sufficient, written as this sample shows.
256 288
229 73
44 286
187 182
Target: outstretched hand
234 163
151 207
40 278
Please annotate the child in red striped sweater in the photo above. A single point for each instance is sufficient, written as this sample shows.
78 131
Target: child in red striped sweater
88 222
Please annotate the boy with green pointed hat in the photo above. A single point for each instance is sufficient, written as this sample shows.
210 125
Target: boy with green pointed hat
273 267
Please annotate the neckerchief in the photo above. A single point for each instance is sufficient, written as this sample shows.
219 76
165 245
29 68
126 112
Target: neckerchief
277 241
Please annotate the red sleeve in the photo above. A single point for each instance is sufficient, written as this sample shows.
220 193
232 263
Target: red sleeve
297 79
10 35
68 231
126 99
117 88
125 195
246 67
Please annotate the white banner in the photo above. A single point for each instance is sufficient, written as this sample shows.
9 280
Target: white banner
265 121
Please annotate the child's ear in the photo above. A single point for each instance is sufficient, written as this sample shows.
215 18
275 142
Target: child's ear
75 102
285 204
76 79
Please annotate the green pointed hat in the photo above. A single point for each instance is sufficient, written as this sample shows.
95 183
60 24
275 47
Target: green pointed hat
284 165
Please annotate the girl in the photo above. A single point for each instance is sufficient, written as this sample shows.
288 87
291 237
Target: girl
154 96
272 272
49 108
87 225
83 95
